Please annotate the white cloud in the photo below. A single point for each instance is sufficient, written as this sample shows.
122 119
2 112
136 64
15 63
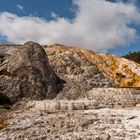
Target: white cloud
20 7
54 15
98 25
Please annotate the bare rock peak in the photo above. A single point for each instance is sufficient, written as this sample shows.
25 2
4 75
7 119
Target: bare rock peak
27 73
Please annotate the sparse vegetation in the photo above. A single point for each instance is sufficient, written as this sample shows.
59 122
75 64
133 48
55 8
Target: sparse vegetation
134 56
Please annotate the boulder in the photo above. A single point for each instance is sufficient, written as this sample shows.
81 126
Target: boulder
27 74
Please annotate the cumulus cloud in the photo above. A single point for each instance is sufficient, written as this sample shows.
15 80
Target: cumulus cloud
20 7
98 25
54 15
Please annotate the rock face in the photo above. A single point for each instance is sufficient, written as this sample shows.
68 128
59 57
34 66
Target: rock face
81 75
97 70
26 73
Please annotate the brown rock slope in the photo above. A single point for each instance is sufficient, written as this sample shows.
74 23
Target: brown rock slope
26 73
92 69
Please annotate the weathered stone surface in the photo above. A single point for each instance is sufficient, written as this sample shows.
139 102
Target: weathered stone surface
62 105
26 73
98 69
95 124
112 97
80 73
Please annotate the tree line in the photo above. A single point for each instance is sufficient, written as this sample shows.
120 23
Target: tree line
134 56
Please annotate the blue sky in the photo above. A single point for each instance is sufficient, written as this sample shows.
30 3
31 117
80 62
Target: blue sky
69 16
41 8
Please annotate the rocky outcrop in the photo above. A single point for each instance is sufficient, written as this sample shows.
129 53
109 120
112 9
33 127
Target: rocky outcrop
26 73
82 70
81 74
90 77
114 97
95 70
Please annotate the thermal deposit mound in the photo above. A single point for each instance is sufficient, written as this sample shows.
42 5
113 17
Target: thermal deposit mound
80 90
93 69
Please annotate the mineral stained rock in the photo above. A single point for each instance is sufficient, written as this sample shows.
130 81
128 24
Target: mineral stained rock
26 73
93 69
80 74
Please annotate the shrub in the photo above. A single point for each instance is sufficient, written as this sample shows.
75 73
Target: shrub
134 56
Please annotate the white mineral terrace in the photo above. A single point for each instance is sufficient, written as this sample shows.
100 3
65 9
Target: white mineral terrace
52 105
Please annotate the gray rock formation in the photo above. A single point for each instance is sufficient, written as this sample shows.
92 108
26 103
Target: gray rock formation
80 74
26 73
